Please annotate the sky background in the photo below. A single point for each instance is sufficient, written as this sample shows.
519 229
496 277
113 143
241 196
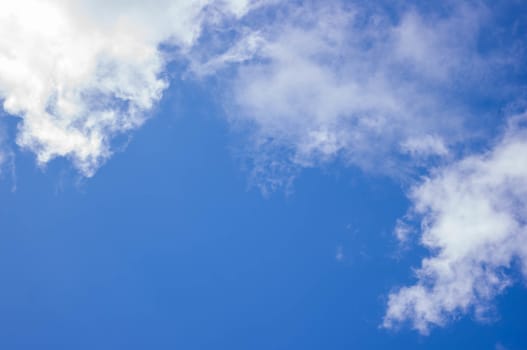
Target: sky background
259 199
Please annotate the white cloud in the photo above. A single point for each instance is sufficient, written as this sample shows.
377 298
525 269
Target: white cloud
79 72
448 46
425 145
474 222
335 81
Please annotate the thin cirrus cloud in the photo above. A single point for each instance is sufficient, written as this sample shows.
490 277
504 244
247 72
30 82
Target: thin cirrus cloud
306 84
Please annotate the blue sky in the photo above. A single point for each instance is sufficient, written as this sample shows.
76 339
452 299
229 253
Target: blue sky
263 175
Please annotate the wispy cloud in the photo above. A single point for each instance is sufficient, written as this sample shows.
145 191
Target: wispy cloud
350 82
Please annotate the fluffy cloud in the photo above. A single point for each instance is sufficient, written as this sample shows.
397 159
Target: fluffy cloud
474 221
79 72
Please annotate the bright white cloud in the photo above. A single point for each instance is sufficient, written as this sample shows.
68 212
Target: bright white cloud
79 72
474 222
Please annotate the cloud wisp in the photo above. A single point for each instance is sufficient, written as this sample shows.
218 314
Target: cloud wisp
351 83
